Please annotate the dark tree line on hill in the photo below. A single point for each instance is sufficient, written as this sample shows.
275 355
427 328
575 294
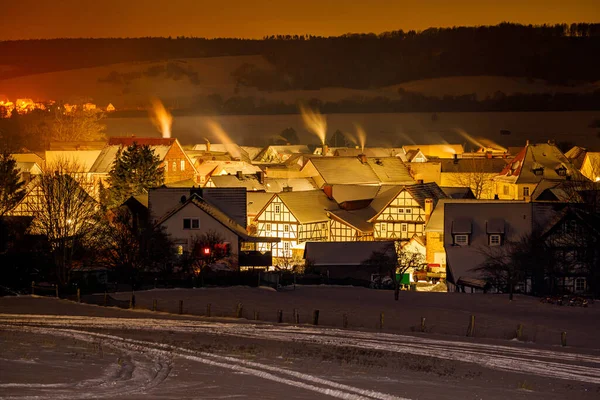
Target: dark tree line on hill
557 53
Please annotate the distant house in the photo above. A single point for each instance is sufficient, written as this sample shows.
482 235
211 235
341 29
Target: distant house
590 167
280 153
476 173
576 155
375 152
177 165
234 151
295 217
415 156
82 159
435 150
110 108
534 163
343 260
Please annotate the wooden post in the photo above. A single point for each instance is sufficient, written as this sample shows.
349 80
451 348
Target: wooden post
256 316
316 317
208 310
471 328
154 304
105 299
422 324
239 310
32 288
132 301
258 279
180 306
78 295
56 290
297 318
563 339
279 316
519 331
294 314
381 320
344 321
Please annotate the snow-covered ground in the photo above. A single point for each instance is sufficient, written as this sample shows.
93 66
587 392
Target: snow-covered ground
57 349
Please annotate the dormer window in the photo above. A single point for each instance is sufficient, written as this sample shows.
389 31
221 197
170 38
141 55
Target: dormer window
495 229
538 171
461 240
561 171
495 240
461 231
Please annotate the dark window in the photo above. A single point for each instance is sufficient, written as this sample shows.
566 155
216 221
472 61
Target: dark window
187 223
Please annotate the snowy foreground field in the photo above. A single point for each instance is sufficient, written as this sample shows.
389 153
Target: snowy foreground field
62 350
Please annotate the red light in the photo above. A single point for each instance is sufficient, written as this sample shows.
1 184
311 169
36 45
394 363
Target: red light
206 251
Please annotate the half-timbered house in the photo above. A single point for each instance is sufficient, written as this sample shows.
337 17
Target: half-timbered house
295 217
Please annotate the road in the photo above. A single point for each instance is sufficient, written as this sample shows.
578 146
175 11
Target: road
179 358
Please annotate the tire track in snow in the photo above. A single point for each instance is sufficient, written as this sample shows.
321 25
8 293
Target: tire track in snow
276 374
544 363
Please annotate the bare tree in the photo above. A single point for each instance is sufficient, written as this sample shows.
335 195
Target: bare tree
65 212
78 125
207 249
472 174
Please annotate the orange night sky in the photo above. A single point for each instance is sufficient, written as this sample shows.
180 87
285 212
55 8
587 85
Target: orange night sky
25 19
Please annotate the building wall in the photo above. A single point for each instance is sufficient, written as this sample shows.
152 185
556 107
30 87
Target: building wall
183 237
471 179
276 220
427 172
513 191
401 220
173 162
435 254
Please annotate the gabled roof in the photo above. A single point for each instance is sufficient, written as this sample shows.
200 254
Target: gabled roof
390 170
354 219
277 185
105 160
576 155
475 165
368 151
28 157
31 167
545 157
343 193
458 192
257 201
344 170
308 206
344 253
218 215
84 159
419 192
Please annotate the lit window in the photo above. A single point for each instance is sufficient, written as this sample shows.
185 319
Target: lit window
401 211
382 227
182 165
461 239
408 211
268 227
174 166
525 191
179 250
191 223
286 228
495 240
404 227
277 208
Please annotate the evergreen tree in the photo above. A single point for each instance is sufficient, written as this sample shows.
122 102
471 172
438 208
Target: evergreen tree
290 135
11 185
135 170
338 139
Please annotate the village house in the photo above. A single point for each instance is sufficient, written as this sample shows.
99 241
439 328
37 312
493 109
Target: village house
431 151
520 177
280 153
476 173
295 217
177 165
590 167
195 216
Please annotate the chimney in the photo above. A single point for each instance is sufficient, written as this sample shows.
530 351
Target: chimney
362 158
419 181
260 175
207 145
488 154
527 142
287 189
239 175
325 150
428 209
551 142
455 158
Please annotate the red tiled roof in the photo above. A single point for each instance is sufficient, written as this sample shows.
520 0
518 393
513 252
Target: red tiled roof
128 141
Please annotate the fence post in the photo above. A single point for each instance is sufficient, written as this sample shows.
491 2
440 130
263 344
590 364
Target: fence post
78 295
279 316
132 301
519 331
154 304
422 324
381 321
56 290
258 279
239 311
208 310
344 321
256 316
180 306
105 299
297 318
316 317
471 328
32 288
563 339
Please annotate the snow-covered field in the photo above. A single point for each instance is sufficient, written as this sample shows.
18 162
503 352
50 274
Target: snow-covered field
58 349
